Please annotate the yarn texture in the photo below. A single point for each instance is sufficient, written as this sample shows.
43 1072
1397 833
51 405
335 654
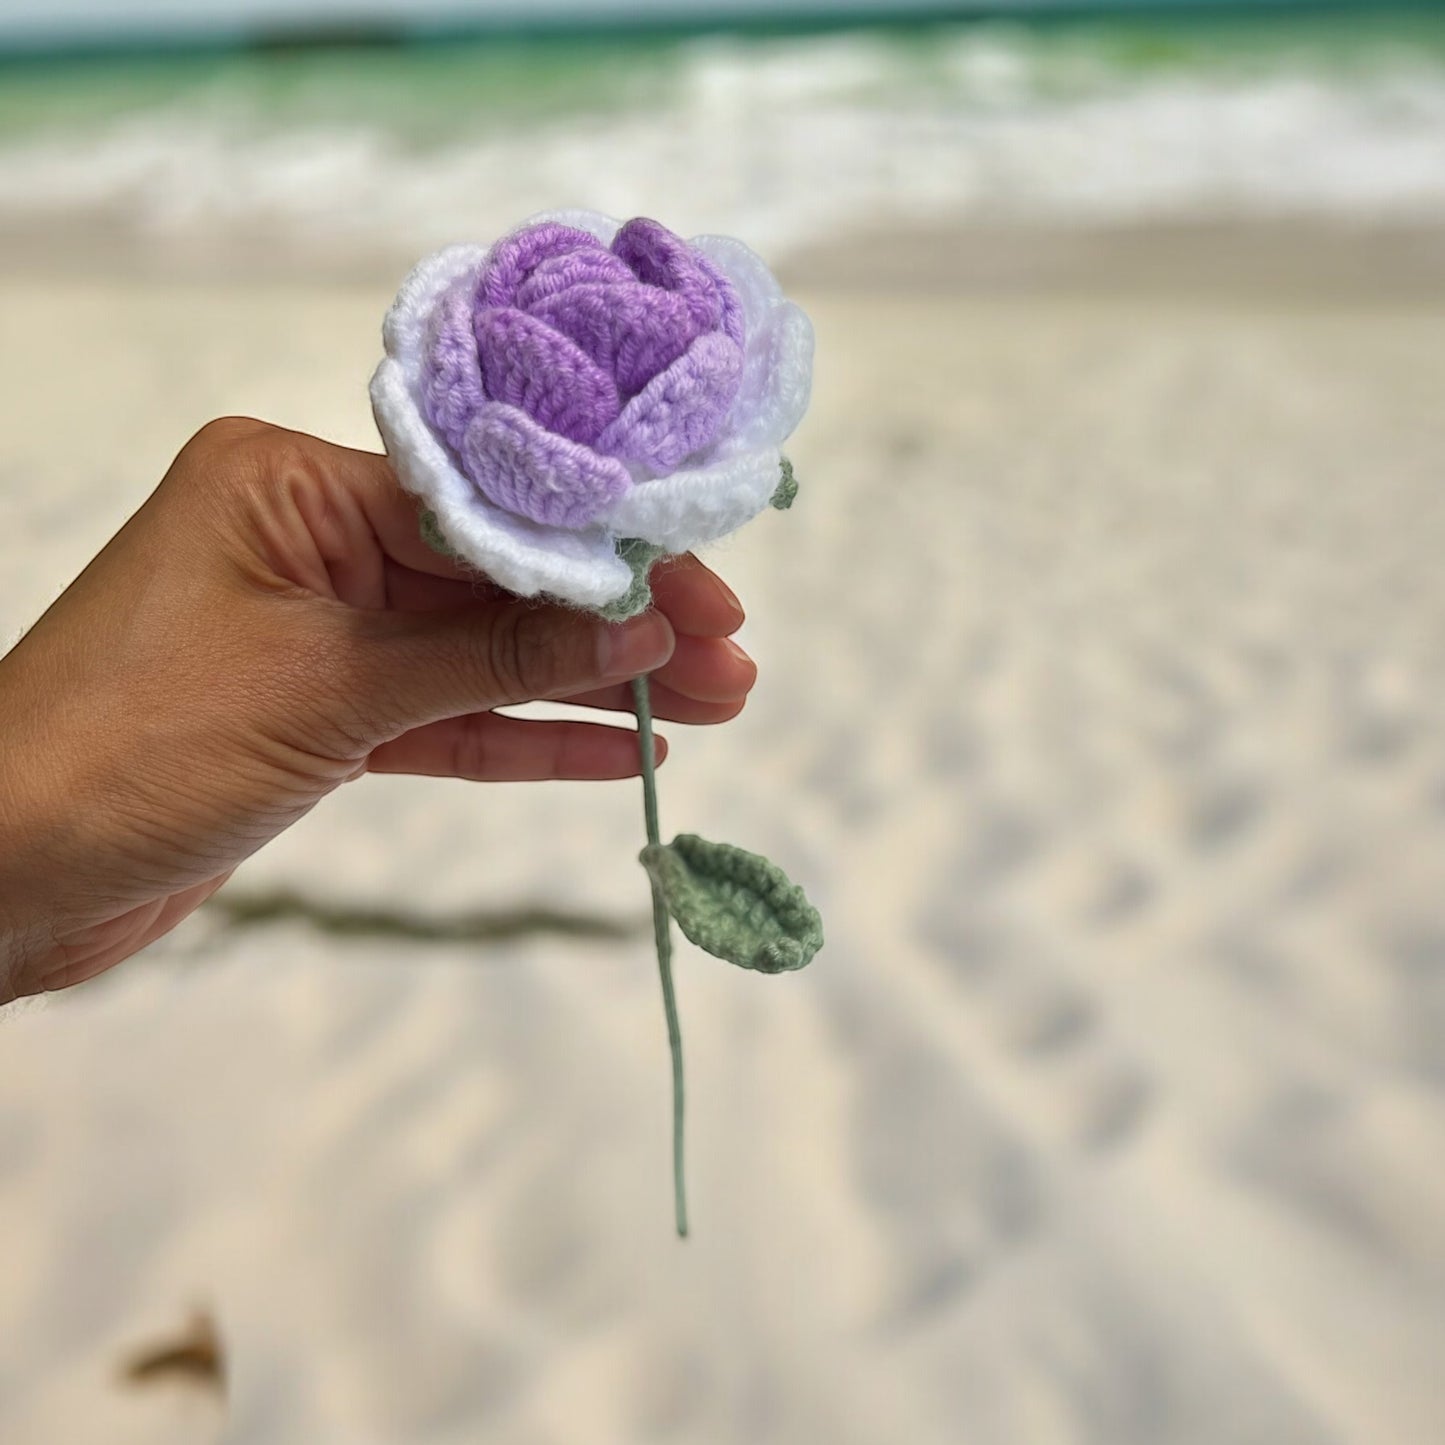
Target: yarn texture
570 405
736 905
585 387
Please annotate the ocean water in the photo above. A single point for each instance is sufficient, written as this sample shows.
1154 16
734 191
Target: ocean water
784 139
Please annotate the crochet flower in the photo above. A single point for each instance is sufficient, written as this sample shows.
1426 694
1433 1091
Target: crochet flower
572 403
583 383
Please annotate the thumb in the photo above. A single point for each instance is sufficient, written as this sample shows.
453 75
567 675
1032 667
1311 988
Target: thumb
407 669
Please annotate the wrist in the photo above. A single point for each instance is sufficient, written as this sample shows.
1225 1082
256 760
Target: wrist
26 934
32 836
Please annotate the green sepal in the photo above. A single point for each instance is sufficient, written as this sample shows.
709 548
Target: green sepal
431 534
787 488
640 556
736 905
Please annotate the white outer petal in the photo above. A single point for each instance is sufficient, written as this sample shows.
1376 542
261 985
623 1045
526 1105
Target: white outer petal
777 382
676 512
698 504
404 329
778 372
756 286
526 557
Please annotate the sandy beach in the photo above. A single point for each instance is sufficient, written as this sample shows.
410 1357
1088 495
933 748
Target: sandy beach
1100 710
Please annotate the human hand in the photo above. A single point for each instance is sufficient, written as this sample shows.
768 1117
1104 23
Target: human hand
268 626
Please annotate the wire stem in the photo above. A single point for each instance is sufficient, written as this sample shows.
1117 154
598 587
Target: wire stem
662 928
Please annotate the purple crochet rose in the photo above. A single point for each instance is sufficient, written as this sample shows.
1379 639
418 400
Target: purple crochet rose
584 390
568 406
568 369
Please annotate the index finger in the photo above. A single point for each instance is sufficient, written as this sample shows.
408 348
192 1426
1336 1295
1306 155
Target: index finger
394 516
694 598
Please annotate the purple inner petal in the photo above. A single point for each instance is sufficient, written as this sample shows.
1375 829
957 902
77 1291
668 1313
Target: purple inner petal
514 258
526 364
728 301
534 473
573 268
681 410
662 259
635 351
451 374
630 330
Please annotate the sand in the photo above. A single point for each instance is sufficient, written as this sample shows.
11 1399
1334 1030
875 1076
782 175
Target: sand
1100 709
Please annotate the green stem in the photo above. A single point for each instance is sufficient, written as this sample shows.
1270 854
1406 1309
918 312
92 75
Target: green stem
662 928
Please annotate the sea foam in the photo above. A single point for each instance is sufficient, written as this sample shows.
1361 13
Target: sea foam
785 141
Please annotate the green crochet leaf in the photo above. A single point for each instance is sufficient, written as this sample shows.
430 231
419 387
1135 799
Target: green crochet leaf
734 904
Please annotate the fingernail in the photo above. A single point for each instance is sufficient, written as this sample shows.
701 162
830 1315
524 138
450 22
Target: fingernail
728 595
741 656
628 649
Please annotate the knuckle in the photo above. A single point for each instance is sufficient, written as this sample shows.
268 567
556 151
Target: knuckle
296 460
526 651
471 753
272 453
285 463
227 453
296 474
223 433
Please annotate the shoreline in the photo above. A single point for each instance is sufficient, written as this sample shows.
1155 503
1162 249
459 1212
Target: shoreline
1290 257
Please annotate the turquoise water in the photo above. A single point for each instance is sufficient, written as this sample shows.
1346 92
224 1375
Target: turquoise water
785 136
421 88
